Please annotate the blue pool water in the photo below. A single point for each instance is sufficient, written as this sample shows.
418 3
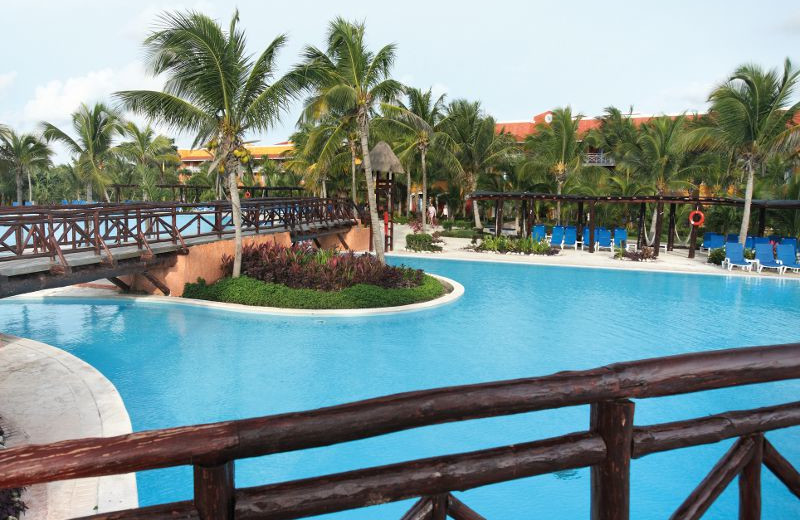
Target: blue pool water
177 365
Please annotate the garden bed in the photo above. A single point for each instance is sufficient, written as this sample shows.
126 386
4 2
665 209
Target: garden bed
249 291
304 278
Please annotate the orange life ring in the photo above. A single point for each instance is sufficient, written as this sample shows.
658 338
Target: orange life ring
697 222
247 195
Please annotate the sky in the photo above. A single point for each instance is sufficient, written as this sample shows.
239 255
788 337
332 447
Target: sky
519 58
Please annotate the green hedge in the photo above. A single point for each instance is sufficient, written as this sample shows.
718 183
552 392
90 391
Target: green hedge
249 291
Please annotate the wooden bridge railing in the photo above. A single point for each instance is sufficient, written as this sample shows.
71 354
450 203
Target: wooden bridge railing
46 231
607 447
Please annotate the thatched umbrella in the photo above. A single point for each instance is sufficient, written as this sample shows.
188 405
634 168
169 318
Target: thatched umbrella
384 160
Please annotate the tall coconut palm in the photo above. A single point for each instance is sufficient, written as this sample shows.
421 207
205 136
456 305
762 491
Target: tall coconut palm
479 149
147 151
96 128
421 125
754 119
214 90
557 148
19 154
662 158
349 79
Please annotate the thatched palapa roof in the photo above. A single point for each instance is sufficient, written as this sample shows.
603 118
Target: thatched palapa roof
384 160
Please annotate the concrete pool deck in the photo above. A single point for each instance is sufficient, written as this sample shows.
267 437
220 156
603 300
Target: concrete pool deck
676 261
48 395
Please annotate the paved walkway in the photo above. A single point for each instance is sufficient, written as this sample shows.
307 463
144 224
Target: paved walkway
49 395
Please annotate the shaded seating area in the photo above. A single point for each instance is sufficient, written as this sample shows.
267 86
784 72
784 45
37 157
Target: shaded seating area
765 260
665 207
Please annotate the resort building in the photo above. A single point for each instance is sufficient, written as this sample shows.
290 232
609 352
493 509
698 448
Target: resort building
280 152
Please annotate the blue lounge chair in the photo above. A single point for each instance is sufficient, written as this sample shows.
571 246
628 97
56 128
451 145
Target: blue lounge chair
557 236
732 238
15 203
538 232
570 237
712 241
766 260
64 202
734 257
585 238
604 240
620 237
750 243
789 241
787 256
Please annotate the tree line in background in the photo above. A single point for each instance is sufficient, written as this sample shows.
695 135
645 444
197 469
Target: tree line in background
745 146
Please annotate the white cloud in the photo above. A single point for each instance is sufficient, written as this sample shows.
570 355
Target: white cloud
7 78
688 96
57 99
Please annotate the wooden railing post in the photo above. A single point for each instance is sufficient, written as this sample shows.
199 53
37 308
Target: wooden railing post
750 483
610 480
214 491
439 511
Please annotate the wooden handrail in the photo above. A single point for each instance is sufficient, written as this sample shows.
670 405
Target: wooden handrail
223 441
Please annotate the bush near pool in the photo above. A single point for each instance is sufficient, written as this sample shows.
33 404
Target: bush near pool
422 242
249 291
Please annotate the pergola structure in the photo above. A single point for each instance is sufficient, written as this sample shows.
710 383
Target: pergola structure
698 203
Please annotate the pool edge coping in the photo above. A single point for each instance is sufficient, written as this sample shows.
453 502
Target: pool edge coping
85 496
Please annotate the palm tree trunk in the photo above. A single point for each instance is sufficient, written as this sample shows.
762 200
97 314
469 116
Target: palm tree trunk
408 192
231 165
558 203
475 211
89 191
324 188
748 201
30 187
375 223
422 153
19 186
353 170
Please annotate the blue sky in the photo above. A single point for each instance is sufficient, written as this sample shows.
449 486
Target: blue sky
518 58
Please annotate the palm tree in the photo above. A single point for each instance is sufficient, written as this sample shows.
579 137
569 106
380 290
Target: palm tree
479 150
556 148
96 128
20 153
421 124
349 80
214 90
148 152
753 119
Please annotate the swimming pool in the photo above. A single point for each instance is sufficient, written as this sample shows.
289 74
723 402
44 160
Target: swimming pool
176 365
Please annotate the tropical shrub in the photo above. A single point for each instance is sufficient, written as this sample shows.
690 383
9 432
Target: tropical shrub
423 242
305 268
400 219
248 291
528 245
447 225
716 256
645 253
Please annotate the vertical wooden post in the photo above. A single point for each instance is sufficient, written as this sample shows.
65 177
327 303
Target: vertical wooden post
498 218
439 511
693 237
591 227
750 483
671 228
659 225
579 227
762 220
610 480
214 491
640 237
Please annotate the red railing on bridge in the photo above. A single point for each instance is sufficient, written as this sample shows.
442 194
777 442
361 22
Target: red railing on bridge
607 447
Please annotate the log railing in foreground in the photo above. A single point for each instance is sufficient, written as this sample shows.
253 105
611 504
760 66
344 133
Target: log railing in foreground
47 231
607 447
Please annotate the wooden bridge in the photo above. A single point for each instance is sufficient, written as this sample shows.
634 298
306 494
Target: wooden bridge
607 447
54 246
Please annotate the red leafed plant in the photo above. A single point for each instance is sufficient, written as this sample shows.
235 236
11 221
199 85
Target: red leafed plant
303 267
